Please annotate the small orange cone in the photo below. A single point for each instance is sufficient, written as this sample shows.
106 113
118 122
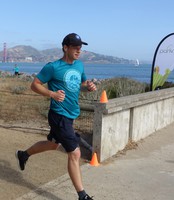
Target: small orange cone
103 98
94 160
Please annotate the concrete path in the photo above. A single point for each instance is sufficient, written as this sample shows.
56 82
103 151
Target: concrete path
144 173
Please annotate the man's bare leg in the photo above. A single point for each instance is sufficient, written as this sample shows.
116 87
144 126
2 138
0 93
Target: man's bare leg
74 169
42 146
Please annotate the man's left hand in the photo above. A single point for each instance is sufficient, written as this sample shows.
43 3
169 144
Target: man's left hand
91 86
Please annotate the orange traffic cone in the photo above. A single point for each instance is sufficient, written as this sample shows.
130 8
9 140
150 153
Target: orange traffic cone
103 98
94 160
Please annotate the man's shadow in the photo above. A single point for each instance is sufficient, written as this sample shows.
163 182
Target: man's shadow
10 175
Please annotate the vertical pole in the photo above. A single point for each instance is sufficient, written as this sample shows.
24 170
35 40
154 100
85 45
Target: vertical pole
5 54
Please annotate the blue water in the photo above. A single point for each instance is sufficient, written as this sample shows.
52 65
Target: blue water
141 73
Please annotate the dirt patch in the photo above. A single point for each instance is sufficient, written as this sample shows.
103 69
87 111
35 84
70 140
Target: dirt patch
130 145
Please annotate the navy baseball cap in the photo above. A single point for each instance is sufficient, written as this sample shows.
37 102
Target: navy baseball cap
73 39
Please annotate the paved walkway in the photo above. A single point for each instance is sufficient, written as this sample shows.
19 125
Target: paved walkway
144 173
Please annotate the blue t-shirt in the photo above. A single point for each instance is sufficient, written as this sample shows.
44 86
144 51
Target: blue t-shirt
60 75
16 69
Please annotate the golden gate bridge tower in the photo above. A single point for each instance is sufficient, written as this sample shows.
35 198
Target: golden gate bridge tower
5 53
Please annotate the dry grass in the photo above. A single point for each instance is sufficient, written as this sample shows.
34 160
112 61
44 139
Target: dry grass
20 105
18 102
10 84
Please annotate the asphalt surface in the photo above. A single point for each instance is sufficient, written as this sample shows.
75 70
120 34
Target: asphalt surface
143 173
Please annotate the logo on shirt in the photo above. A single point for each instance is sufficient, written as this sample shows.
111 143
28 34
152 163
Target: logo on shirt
73 80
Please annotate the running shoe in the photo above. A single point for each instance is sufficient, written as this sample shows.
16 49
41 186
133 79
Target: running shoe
21 159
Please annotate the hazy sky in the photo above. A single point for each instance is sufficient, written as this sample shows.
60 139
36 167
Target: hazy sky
128 28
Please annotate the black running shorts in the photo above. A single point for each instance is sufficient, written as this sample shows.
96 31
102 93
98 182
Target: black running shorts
62 131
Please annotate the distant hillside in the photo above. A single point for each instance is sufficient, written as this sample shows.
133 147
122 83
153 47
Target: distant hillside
22 53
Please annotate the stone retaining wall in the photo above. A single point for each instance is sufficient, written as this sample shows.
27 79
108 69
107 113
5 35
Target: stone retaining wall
130 118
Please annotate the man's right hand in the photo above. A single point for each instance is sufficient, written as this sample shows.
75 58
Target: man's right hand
58 95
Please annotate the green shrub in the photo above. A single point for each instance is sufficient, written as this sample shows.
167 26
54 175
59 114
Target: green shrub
115 87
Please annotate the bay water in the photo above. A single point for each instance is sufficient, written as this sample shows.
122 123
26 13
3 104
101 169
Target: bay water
140 73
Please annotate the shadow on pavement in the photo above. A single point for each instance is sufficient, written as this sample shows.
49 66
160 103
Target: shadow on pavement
10 175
